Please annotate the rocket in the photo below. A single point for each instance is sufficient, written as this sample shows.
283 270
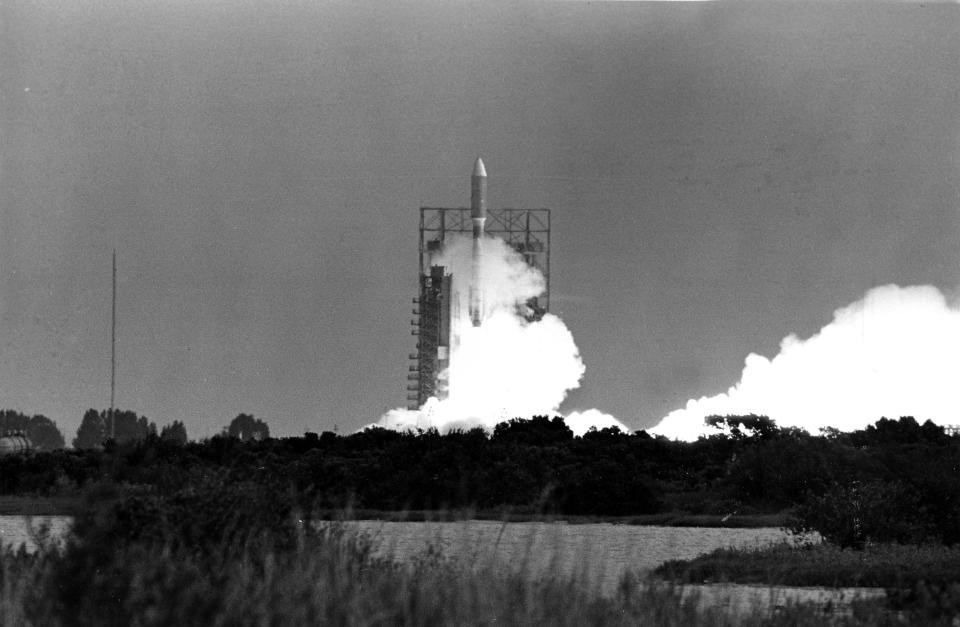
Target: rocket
478 215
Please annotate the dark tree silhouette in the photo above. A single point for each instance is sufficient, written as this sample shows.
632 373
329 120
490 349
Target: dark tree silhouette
856 513
97 427
539 430
92 431
246 427
607 434
175 432
44 434
896 480
129 426
906 430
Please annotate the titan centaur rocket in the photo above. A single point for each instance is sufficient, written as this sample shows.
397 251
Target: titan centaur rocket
452 300
478 215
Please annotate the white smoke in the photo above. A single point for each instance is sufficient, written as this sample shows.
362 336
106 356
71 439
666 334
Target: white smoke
507 367
894 353
581 421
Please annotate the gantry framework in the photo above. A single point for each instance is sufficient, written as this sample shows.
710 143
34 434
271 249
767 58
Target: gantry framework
527 231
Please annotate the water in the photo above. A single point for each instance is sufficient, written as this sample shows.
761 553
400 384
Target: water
596 553
599 554
21 530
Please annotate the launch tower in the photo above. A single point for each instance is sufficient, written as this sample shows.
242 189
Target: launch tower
527 231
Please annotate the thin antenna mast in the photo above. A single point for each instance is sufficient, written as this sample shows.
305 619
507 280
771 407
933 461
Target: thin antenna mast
113 348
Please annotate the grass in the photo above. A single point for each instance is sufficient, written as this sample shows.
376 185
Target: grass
885 566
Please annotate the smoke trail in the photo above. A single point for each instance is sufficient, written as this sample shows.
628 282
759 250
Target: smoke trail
894 353
507 367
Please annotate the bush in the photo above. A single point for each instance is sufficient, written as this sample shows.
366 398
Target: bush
854 514
929 601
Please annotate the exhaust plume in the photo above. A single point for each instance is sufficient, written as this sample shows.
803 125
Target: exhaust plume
507 367
896 352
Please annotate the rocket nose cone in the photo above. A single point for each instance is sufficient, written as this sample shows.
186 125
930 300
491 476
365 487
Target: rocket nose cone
478 169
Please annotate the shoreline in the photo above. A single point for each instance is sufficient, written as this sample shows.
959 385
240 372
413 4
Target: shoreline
665 519
13 505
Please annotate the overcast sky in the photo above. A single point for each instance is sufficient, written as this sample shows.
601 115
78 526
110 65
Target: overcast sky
721 175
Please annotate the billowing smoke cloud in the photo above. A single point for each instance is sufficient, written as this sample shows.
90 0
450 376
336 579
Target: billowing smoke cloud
507 367
581 421
894 353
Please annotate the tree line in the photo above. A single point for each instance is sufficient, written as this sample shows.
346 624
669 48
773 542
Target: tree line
895 471
121 426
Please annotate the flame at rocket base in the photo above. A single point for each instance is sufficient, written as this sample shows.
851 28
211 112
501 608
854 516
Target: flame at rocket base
478 214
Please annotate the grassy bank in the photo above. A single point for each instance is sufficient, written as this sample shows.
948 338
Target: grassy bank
922 583
885 566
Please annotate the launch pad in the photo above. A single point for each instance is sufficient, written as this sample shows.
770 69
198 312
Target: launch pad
527 231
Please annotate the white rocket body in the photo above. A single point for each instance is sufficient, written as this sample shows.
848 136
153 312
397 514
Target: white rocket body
478 214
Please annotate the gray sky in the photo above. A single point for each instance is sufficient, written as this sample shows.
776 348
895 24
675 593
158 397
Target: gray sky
721 175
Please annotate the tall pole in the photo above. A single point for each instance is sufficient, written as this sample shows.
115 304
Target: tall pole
113 347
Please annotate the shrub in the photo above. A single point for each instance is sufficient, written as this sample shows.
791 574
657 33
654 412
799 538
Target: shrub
852 515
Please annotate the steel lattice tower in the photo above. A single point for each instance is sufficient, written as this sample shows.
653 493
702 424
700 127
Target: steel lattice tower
527 231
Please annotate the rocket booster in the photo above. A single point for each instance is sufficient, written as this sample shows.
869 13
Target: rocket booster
478 215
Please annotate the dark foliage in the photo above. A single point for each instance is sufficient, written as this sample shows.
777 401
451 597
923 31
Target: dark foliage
887 432
890 566
92 432
539 430
246 428
935 601
894 481
119 425
208 522
852 515
175 432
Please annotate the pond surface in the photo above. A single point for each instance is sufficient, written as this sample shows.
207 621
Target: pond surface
22 530
595 553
